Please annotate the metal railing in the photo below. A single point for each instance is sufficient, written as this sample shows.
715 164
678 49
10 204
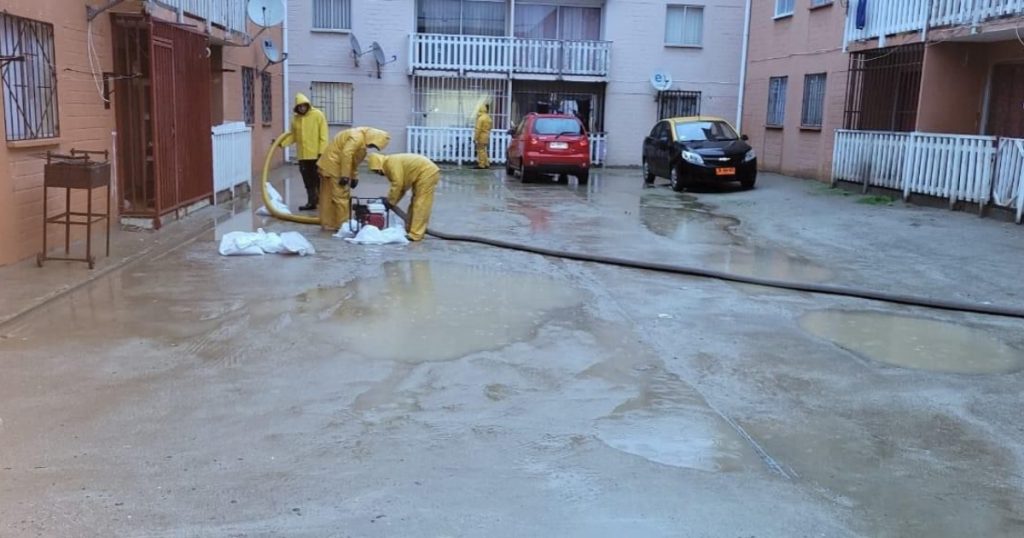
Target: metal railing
455 145
891 17
232 148
960 168
228 14
501 54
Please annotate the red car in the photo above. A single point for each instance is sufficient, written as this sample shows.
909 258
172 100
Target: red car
549 144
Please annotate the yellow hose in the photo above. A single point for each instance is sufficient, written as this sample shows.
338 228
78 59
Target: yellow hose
301 219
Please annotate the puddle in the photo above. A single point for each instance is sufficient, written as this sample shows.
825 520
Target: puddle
694 439
917 343
421 311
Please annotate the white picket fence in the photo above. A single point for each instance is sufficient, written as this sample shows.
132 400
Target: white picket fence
502 54
890 17
455 145
232 150
960 168
228 14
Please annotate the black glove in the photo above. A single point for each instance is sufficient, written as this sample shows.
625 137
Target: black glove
355 183
343 182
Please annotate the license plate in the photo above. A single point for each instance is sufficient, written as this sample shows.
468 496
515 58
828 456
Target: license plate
558 145
725 171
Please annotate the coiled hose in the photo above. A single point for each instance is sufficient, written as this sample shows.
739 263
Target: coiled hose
301 219
684 270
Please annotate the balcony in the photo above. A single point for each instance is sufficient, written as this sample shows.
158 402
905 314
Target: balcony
228 14
508 55
891 17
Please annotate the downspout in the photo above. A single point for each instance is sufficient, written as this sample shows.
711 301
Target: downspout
285 110
743 68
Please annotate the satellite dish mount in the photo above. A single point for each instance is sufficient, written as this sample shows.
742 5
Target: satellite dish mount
265 13
382 59
357 49
273 54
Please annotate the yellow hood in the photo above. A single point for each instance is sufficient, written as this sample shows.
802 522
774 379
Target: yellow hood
301 99
376 162
376 137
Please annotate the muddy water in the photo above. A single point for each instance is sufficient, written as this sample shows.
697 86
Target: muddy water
916 343
420 311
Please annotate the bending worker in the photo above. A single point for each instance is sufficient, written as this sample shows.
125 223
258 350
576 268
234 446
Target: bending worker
482 137
339 171
309 132
405 172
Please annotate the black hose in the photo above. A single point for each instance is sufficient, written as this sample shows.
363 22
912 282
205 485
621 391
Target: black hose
824 289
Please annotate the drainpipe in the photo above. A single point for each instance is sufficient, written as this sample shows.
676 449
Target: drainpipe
285 109
743 68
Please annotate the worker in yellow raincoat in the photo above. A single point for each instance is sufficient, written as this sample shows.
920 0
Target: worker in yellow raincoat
482 137
309 133
339 172
405 172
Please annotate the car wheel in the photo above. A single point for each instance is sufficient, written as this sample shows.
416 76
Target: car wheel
748 182
675 180
583 177
525 175
648 176
509 171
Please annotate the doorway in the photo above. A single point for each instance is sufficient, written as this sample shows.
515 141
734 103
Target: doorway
1006 101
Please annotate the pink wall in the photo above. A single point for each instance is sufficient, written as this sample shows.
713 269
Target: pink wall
809 41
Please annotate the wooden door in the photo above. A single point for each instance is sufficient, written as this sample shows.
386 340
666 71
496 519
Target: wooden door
165 151
1006 101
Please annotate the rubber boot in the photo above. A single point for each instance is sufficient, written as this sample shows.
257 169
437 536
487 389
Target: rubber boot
311 203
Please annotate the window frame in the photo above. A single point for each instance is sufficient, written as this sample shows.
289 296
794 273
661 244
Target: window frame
331 86
784 14
248 95
267 98
685 9
818 4
781 98
807 106
326 29
31 102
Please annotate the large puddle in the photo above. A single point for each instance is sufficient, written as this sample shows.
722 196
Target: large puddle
918 343
420 311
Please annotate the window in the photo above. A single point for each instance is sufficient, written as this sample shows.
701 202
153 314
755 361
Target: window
814 100
453 102
249 95
556 126
705 131
661 132
819 3
334 99
684 26
675 103
554 22
332 14
784 8
777 101
461 17
28 79
267 98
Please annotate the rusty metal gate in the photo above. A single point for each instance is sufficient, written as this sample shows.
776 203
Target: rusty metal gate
163 116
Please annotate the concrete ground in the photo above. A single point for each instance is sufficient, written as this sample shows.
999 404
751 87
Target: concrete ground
445 389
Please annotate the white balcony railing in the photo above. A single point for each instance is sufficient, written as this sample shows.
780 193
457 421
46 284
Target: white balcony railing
229 14
455 145
890 17
978 169
498 54
232 146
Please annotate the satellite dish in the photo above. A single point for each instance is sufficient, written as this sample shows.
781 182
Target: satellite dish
270 51
661 80
378 54
357 49
266 13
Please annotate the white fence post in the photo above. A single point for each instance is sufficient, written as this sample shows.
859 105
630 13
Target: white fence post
232 148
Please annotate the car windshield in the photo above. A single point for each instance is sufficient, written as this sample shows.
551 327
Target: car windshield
556 126
704 131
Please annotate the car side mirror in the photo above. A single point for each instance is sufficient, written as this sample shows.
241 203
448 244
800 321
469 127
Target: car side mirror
744 138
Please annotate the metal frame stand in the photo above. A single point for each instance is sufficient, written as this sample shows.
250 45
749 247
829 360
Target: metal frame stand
69 218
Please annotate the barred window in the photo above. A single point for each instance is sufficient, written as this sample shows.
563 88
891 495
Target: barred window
28 79
814 100
676 103
784 7
334 99
684 25
249 95
332 14
267 98
777 101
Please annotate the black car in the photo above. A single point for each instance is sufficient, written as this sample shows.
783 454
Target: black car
694 149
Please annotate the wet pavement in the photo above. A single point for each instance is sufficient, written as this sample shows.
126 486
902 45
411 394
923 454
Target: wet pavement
447 389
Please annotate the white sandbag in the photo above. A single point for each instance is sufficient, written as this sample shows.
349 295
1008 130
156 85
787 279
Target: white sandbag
347 230
295 243
239 244
271 243
276 201
372 235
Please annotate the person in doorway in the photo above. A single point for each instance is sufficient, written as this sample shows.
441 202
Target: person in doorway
309 134
338 167
482 137
405 172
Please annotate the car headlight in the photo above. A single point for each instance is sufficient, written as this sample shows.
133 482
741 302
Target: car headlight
692 157
749 156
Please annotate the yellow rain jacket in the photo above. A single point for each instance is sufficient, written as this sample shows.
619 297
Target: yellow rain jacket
405 172
482 133
309 131
348 149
